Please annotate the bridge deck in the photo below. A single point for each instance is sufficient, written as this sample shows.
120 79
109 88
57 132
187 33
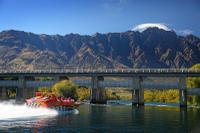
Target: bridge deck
106 72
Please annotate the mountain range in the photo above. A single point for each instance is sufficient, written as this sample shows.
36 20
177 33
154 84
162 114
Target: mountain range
152 48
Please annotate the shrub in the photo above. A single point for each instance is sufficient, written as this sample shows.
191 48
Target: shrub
83 93
194 82
65 88
44 90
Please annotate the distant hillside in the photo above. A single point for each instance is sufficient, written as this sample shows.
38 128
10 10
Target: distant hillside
152 48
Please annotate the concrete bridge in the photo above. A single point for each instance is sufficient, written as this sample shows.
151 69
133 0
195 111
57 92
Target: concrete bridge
135 79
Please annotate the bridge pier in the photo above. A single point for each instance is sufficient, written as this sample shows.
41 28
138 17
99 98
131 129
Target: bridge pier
28 91
182 92
3 94
19 94
98 94
138 92
22 91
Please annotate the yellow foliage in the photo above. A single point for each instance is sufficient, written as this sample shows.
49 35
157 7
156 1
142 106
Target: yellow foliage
169 96
44 90
65 88
83 93
111 95
194 82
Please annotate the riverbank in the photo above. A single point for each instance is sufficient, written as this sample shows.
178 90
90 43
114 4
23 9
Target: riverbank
170 96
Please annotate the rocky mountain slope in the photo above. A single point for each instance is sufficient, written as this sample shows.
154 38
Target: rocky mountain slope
152 48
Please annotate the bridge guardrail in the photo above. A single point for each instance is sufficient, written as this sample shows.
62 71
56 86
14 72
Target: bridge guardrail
136 70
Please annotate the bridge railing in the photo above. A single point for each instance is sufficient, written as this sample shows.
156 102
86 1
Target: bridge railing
80 70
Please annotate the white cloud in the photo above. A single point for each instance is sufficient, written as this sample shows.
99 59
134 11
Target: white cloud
142 27
185 32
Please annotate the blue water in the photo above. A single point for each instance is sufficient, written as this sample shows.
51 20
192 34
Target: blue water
112 118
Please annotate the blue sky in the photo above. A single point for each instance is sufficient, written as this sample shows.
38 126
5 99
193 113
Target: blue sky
91 16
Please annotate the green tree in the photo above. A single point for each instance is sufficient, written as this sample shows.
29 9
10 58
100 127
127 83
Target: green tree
112 95
65 88
194 82
44 90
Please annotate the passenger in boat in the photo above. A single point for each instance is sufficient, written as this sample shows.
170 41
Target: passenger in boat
38 93
67 101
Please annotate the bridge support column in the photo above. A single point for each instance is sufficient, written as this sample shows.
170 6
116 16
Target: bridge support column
19 94
29 91
4 95
22 91
98 94
138 92
182 92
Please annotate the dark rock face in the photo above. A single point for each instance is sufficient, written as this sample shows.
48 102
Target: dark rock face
152 48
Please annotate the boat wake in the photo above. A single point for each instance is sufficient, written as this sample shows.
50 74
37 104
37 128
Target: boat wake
9 111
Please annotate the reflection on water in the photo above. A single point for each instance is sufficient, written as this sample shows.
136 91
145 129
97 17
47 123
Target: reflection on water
113 118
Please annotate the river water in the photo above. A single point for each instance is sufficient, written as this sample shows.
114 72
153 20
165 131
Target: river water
111 118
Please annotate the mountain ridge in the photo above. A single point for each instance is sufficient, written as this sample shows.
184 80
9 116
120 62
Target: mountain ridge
152 48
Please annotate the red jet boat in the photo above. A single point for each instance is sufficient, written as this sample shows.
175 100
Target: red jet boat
50 100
